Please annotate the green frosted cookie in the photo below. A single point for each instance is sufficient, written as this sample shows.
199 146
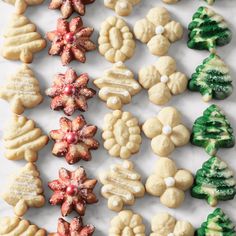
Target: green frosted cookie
212 79
212 131
208 30
214 182
217 224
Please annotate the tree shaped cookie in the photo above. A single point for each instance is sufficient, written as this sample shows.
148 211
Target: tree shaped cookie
212 131
22 139
117 86
70 92
121 7
162 80
127 223
116 42
25 190
121 134
169 183
158 31
74 140
21 90
122 184
218 223
166 131
214 182
212 79
208 30
15 226
165 224
73 191
21 40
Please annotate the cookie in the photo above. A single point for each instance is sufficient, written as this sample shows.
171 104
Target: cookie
70 6
158 31
22 139
121 7
166 131
214 182
169 183
75 228
217 223
121 134
165 224
74 140
212 131
162 80
127 223
170 1
122 184
212 79
14 226
73 191
25 190
217 32
22 90
69 92
117 86
21 39
71 40
210 2
116 42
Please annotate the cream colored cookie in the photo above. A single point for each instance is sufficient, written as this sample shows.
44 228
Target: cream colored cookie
21 90
166 131
22 139
121 7
116 42
25 190
127 223
162 80
15 226
166 225
158 31
169 183
122 184
21 40
117 86
121 134
170 1
21 5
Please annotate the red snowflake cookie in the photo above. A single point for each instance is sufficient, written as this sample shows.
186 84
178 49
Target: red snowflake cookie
71 40
69 92
74 139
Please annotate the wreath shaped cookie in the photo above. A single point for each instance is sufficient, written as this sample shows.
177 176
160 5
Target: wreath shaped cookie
116 42
169 183
162 80
166 131
158 31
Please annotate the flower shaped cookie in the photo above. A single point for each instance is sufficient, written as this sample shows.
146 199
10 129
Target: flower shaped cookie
116 42
162 80
166 131
121 134
166 225
158 31
169 183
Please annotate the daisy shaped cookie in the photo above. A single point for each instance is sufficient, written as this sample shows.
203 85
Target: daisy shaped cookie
158 31
166 131
169 183
162 80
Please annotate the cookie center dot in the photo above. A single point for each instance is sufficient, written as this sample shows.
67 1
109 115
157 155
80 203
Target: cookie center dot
160 29
164 79
167 130
71 137
70 37
71 190
169 181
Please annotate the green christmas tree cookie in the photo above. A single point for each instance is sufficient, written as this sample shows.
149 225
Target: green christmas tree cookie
212 79
212 131
217 224
208 30
214 182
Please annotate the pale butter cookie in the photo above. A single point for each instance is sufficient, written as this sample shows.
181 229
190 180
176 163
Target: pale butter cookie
170 1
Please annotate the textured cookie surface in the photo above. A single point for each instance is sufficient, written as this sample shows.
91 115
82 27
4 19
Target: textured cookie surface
22 139
117 86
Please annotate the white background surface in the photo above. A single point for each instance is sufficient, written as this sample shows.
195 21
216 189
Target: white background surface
190 104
